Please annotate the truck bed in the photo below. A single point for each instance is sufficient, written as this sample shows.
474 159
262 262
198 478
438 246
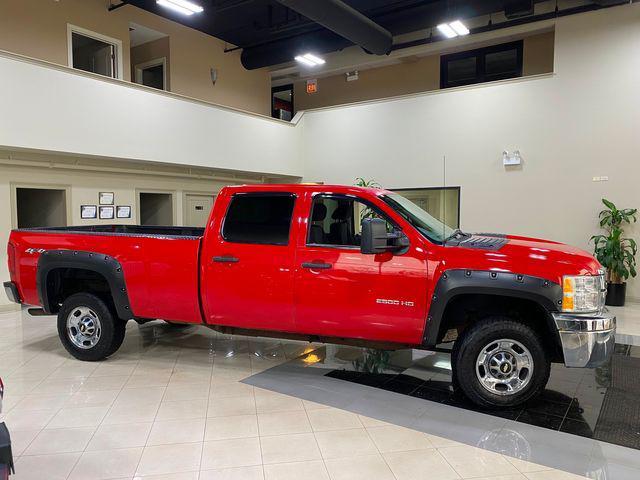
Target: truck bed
158 263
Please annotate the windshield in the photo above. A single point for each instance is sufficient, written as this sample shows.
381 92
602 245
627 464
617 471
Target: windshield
430 227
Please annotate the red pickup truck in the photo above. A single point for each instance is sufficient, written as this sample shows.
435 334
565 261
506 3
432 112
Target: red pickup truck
336 264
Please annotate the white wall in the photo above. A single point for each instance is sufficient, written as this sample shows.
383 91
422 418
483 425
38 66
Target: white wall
60 110
581 122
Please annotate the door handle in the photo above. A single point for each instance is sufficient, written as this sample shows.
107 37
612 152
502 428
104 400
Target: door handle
226 259
316 265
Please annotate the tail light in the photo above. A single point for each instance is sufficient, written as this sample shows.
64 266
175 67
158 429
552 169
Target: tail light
11 254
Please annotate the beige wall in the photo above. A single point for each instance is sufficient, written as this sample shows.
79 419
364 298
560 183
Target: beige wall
38 28
413 75
152 51
538 54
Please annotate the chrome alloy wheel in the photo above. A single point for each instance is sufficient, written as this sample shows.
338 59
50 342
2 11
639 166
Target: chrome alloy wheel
504 367
83 327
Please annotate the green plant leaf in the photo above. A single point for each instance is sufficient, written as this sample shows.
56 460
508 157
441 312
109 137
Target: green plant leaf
608 204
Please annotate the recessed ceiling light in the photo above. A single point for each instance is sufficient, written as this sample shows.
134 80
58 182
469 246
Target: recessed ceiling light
310 60
447 31
183 6
459 27
304 61
314 59
453 29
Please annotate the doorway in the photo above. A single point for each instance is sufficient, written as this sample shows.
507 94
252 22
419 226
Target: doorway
197 209
155 208
282 102
152 73
41 207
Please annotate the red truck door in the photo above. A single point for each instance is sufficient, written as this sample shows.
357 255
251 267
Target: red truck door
247 262
344 293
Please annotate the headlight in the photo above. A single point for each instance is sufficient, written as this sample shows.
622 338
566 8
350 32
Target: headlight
583 293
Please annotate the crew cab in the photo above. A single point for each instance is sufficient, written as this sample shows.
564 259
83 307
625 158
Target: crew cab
328 263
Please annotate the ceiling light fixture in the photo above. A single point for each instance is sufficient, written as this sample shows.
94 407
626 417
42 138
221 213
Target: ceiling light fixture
310 60
453 29
183 6
459 27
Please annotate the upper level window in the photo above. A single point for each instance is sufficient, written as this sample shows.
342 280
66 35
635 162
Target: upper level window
497 62
93 52
259 218
336 221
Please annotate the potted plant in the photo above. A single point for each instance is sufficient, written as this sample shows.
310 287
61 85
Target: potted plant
615 252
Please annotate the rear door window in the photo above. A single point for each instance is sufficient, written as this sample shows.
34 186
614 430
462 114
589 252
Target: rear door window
259 218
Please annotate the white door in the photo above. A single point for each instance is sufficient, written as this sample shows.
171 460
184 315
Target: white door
198 208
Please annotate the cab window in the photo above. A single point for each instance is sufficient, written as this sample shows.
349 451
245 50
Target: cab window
259 218
335 220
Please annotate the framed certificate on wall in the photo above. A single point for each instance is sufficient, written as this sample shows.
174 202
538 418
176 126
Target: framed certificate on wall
105 198
123 211
106 212
88 211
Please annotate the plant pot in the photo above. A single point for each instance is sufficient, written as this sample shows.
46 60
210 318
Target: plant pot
616 293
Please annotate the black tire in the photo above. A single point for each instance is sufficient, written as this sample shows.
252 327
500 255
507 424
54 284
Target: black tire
112 329
467 349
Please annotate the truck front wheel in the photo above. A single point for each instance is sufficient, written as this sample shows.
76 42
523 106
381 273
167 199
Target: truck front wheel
498 362
88 329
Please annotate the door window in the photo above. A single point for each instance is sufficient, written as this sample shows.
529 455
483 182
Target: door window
259 218
337 221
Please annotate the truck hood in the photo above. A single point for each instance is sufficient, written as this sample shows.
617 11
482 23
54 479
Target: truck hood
524 255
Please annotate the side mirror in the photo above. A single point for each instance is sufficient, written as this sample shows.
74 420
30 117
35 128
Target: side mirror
374 236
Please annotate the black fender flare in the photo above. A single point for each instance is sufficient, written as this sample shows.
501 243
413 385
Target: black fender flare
456 282
105 265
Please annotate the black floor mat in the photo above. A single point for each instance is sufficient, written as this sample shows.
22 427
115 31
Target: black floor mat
601 403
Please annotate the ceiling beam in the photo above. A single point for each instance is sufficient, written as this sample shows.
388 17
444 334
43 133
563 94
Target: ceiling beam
346 21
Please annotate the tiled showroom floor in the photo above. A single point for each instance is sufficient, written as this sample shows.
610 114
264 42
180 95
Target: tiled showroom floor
170 405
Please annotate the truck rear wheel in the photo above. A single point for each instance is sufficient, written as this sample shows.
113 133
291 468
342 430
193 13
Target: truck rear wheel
88 329
498 362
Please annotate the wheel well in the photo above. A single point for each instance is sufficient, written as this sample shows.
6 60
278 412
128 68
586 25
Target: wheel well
462 310
64 282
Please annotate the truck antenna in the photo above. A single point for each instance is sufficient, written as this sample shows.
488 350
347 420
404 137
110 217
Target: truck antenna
443 197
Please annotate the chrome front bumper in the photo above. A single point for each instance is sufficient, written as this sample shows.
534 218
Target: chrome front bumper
587 339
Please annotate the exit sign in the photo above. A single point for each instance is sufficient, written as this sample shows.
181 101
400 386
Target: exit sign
312 86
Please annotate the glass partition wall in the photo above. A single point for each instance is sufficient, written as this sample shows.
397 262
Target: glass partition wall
442 203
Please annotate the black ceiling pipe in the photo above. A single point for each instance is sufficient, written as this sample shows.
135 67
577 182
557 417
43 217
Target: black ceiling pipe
346 21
